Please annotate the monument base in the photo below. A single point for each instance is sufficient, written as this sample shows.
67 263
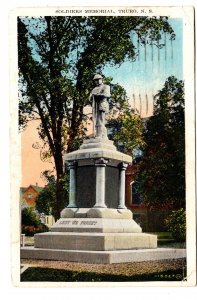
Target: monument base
95 234
103 257
95 241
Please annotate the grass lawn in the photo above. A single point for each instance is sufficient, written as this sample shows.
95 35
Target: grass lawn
165 240
58 275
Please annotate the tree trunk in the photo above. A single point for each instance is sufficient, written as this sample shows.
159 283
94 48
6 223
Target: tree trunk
60 200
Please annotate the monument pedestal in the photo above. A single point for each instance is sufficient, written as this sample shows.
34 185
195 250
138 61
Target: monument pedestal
96 227
116 231
97 175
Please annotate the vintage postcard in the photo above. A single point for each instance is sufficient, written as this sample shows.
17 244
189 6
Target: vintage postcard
103 135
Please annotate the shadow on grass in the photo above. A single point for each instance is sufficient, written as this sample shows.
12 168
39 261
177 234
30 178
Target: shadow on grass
57 275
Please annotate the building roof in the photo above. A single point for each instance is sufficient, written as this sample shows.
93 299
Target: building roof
37 188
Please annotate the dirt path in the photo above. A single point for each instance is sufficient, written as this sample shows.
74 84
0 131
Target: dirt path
116 269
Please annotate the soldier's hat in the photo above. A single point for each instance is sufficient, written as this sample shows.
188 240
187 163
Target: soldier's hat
97 76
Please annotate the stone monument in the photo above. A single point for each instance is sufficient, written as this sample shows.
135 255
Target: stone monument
96 227
100 106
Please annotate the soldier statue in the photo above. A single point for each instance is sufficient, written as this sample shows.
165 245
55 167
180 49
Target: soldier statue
100 106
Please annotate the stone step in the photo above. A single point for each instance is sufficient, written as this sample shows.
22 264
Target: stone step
94 241
103 257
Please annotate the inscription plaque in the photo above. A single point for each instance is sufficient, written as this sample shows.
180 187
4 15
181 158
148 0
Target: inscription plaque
75 222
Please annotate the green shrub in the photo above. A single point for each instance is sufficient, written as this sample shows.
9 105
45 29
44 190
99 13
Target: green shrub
29 217
176 224
31 223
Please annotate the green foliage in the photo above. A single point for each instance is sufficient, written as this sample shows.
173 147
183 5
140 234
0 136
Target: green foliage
46 201
161 173
127 131
176 224
31 223
29 217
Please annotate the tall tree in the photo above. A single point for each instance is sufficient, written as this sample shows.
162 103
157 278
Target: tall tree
161 173
57 58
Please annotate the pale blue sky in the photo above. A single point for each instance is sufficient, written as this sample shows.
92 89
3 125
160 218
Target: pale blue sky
147 76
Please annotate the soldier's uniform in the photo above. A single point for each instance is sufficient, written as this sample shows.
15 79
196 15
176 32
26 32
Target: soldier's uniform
100 95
